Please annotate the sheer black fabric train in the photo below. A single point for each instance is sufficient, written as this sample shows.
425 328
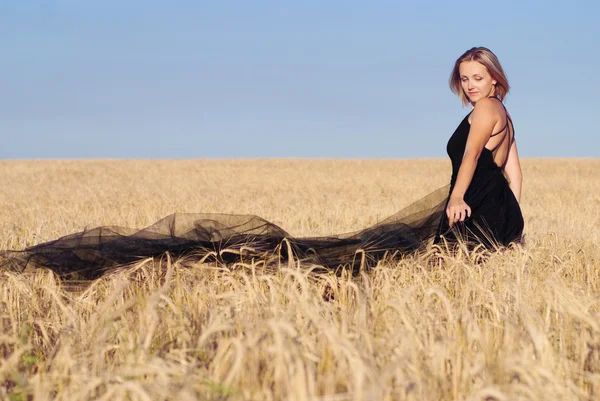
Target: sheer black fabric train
496 219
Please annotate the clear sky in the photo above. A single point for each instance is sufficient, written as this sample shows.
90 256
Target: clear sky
343 79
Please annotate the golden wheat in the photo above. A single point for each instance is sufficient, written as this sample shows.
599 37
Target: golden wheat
523 325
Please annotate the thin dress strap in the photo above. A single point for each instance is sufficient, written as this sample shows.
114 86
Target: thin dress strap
511 140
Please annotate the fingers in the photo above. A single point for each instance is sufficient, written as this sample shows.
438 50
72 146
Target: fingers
458 213
451 216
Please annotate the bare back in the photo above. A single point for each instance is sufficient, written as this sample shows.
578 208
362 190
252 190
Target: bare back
499 143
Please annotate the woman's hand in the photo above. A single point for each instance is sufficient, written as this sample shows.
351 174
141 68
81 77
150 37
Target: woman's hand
457 210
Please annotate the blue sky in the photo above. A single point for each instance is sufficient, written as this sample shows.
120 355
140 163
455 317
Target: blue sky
343 79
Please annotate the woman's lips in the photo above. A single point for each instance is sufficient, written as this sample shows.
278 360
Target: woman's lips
472 93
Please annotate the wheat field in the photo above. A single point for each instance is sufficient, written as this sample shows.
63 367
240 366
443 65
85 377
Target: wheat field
523 325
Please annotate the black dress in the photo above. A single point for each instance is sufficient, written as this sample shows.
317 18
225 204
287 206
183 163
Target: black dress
496 220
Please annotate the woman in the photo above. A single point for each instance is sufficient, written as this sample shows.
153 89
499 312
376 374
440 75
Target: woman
481 206
486 173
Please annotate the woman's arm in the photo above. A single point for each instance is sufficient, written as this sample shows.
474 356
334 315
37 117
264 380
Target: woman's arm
485 117
513 171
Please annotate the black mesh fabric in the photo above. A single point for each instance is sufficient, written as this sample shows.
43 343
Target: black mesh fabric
229 238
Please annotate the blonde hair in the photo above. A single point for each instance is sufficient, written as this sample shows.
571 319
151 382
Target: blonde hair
484 56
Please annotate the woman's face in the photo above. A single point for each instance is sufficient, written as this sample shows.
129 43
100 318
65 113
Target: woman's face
476 81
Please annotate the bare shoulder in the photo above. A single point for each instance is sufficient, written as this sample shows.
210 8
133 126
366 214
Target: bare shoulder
487 110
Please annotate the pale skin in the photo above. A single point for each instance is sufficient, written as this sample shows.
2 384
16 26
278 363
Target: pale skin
488 117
